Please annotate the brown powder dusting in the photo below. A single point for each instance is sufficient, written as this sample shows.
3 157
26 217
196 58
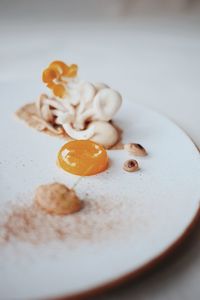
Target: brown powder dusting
28 113
27 223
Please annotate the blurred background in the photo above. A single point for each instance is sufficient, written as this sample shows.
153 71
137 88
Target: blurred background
149 50
92 10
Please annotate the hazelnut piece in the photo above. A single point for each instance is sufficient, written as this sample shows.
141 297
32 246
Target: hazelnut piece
131 165
136 149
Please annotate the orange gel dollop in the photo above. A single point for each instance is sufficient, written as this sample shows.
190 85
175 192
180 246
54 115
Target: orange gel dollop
83 158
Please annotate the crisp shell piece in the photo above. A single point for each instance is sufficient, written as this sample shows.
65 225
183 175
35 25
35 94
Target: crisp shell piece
131 165
136 149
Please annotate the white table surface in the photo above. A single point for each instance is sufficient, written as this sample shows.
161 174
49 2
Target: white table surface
153 62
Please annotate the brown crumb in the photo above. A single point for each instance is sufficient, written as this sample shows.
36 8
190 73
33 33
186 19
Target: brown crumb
57 199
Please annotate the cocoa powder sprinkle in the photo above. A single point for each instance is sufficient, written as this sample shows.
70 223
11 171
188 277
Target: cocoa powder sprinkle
28 223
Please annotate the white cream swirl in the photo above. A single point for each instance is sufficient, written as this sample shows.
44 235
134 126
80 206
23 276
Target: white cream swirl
85 112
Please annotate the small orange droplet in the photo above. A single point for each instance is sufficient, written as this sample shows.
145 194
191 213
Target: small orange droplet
55 76
59 90
60 66
72 72
51 85
48 75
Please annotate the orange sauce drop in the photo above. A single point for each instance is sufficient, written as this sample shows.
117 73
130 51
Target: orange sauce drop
83 158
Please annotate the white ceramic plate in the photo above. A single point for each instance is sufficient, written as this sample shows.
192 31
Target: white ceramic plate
142 214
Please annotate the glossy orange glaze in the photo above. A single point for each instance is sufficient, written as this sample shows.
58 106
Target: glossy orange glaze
83 158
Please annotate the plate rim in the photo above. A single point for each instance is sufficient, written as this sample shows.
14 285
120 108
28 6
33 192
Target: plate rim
151 264
132 275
